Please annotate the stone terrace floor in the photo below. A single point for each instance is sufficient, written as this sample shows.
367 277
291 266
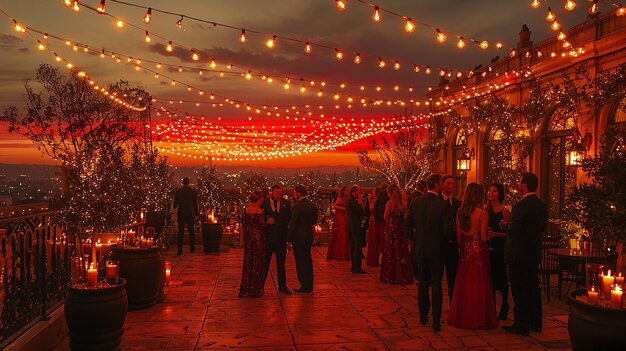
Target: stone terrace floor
344 312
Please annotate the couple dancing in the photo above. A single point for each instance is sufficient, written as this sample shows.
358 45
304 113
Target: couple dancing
268 225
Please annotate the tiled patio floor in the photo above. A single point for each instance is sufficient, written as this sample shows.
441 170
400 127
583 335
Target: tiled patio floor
344 312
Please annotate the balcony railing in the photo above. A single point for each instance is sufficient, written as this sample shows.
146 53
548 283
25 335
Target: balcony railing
33 271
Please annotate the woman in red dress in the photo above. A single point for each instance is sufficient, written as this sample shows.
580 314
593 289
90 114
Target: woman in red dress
472 305
338 246
253 273
396 265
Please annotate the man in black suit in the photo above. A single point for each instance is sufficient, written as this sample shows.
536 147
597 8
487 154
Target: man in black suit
379 209
428 215
420 189
452 254
186 200
303 218
278 212
522 254
355 211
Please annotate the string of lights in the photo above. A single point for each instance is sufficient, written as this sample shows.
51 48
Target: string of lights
594 8
339 54
410 25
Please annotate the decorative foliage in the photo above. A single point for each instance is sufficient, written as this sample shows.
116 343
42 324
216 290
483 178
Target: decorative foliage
403 157
601 205
151 179
256 181
210 190
308 180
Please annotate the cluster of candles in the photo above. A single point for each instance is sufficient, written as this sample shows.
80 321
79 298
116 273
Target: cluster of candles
612 290
111 271
139 240
210 217
318 228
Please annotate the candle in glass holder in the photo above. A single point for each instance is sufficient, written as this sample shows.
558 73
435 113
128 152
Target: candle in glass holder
92 276
112 271
616 298
149 243
619 280
131 237
98 250
607 281
592 296
168 271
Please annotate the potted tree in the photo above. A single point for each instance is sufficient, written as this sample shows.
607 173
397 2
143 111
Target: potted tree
600 207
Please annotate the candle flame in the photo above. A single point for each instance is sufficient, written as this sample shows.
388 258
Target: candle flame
617 288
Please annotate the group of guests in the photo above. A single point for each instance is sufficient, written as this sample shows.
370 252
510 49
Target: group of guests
475 241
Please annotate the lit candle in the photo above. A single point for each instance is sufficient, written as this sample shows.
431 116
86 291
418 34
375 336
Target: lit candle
99 250
167 275
149 243
592 296
619 280
92 276
616 298
111 272
607 281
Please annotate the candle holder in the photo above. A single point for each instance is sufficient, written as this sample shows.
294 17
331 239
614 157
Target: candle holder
594 276
112 271
168 272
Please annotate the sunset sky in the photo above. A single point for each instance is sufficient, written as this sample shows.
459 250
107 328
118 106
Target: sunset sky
315 21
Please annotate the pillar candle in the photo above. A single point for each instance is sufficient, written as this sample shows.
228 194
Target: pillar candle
616 298
111 270
168 272
607 281
92 276
592 296
619 280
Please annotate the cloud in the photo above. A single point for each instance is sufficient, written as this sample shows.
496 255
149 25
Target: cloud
8 41
24 50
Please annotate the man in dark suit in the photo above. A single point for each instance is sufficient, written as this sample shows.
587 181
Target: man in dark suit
421 190
452 254
428 215
355 211
379 209
278 212
303 218
186 200
522 254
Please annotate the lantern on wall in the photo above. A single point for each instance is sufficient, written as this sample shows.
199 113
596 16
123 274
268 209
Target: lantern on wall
575 155
464 162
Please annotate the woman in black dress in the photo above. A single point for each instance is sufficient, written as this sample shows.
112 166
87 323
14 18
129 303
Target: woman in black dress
253 273
497 213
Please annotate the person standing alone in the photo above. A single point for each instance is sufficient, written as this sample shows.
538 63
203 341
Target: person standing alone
279 213
186 201
303 218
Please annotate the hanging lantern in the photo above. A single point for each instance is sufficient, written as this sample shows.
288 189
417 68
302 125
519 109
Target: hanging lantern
463 163
575 155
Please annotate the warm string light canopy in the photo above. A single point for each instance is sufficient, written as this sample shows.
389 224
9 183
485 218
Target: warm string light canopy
243 37
409 24
561 36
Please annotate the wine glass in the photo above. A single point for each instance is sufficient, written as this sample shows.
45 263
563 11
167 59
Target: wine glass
363 219
490 234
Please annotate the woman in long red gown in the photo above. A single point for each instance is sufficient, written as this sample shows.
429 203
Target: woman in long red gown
253 273
472 305
338 245
396 265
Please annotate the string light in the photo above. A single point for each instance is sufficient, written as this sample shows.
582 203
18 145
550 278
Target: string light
409 26
594 8
179 23
461 43
100 7
18 27
194 56
119 24
535 4
148 17
270 42
440 36
620 10
338 54
555 25
357 58
148 39
376 14
341 5
550 17
75 6
381 63
308 48
396 65
243 38
561 35
570 5
485 45
169 47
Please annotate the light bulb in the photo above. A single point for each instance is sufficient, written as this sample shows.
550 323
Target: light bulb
561 35
594 8
376 15
18 27
308 48
409 26
40 46
100 7
194 56
484 45
169 47
338 54
535 4
566 44
555 25
67 2
381 63
357 58
242 38
270 42
440 36
75 7
416 68
461 43
570 5
499 45
341 4
550 16
249 75
428 70
213 64
620 11
119 24
396 65
148 37
179 23
148 17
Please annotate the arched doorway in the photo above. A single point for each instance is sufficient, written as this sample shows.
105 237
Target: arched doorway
557 177
459 149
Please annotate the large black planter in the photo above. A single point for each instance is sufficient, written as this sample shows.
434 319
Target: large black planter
211 237
595 328
143 271
95 317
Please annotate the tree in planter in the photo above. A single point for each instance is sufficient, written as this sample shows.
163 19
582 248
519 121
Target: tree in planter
210 190
256 181
308 180
600 206
403 157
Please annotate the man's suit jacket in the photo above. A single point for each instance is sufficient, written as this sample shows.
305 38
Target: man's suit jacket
524 232
281 219
452 210
186 200
303 218
414 195
428 215
354 211
379 206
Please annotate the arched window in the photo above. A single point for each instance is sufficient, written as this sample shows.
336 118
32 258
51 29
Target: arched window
619 115
459 150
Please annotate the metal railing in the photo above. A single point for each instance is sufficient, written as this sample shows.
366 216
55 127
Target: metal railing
34 268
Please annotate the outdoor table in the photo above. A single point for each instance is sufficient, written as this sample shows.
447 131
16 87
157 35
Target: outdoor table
573 262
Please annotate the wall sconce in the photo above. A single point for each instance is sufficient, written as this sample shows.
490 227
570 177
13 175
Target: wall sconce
575 155
463 163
